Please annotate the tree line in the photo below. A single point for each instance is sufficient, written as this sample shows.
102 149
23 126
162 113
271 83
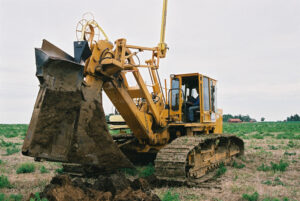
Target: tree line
295 117
244 118
247 118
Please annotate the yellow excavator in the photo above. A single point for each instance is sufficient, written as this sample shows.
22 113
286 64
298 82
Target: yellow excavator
179 129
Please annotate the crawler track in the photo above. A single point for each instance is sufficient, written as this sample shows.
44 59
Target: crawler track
187 159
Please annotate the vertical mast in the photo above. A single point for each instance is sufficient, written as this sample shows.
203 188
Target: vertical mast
162 45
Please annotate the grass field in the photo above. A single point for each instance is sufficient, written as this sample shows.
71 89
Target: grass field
269 170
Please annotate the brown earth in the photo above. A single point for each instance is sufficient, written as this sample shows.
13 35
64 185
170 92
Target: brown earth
68 122
114 187
235 182
229 187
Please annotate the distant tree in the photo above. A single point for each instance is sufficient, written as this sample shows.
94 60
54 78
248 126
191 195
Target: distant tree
244 118
295 117
226 117
262 119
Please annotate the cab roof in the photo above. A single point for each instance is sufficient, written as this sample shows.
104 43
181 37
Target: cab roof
191 75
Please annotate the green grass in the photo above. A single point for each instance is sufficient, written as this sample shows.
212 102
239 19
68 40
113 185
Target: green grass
288 135
221 170
272 147
147 171
13 130
38 198
12 150
59 170
5 144
293 144
276 199
191 197
141 171
26 168
264 168
281 166
12 197
251 197
169 196
289 153
238 165
16 197
286 130
257 136
267 182
43 169
275 182
4 182
264 152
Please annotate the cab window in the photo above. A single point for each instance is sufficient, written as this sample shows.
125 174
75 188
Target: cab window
175 94
206 93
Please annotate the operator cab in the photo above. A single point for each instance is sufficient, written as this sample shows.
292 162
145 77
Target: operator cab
192 98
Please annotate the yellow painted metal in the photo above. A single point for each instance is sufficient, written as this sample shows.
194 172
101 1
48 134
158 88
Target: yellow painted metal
200 78
206 123
219 121
166 91
140 119
145 113
162 45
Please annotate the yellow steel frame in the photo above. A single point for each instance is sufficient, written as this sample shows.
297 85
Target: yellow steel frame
144 114
206 124
141 118
162 45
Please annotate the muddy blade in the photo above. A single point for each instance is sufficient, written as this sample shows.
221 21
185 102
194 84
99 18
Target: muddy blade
68 122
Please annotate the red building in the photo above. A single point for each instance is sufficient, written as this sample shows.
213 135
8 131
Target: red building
234 121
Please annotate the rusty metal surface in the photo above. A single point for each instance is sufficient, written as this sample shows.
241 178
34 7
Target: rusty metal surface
68 122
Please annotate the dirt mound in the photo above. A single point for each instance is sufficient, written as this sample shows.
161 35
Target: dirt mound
115 187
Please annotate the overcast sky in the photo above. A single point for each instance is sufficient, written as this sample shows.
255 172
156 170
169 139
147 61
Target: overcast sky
252 47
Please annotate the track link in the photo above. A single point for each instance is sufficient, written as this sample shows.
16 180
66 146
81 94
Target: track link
187 159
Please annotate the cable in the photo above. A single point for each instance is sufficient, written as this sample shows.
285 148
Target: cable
138 59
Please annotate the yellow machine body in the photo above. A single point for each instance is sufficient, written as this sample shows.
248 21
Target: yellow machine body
68 122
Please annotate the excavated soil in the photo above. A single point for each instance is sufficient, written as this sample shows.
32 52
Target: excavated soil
68 122
114 187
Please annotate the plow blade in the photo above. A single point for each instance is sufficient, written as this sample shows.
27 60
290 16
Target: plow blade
68 122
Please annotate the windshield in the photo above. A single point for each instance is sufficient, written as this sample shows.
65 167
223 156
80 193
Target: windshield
206 93
175 94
